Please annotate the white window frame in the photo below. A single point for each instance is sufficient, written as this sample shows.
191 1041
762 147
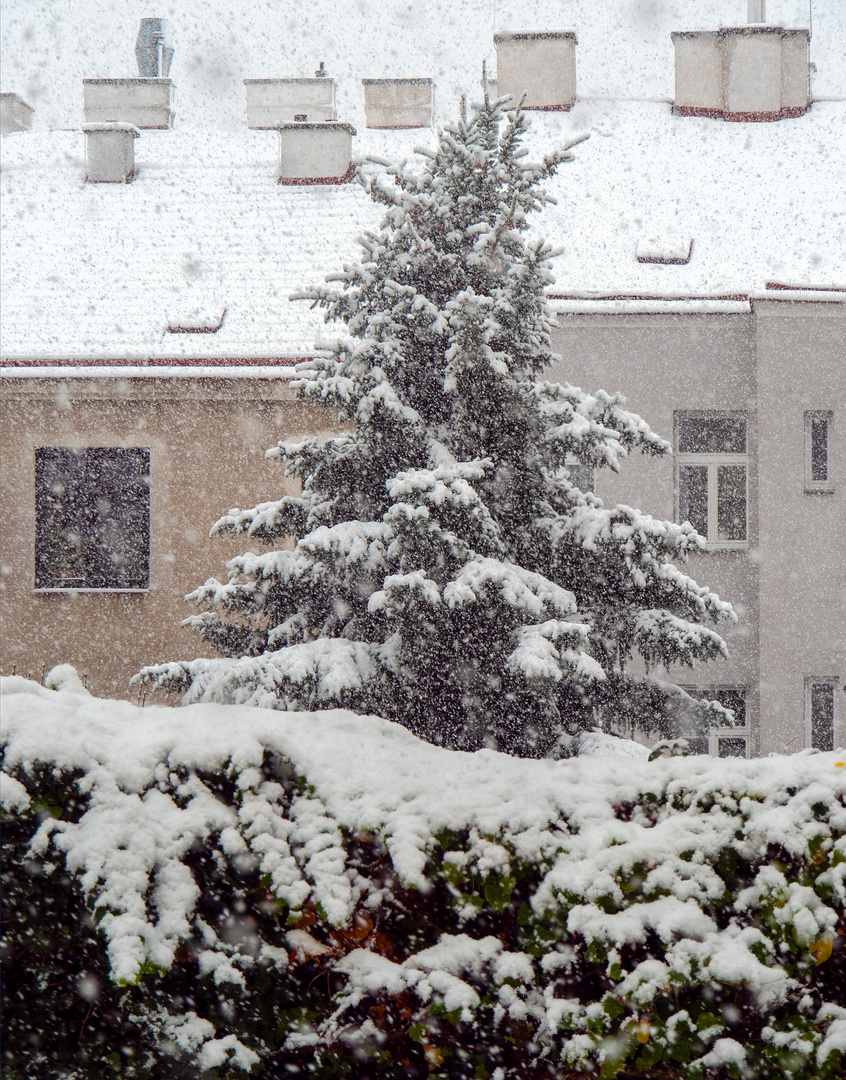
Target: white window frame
717 734
825 680
742 731
823 486
713 461
572 462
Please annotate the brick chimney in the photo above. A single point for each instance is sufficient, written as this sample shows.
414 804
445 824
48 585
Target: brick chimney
399 103
15 114
752 72
271 102
110 153
541 63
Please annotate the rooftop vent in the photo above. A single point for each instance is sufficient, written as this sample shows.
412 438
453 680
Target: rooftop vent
399 103
15 114
542 64
273 102
665 250
742 73
110 153
144 103
315 153
153 49
198 320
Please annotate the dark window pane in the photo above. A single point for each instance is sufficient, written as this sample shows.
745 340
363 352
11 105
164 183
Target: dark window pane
92 517
696 744
693 496
819 448
731 502
731 747
58 543
733 700
712 435
822 716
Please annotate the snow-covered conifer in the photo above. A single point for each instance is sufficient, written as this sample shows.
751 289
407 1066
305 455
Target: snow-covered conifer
446 571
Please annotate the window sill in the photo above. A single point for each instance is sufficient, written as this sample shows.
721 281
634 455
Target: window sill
47 590
827 489
727 545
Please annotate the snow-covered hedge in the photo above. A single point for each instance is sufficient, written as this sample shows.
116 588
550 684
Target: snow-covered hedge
219 890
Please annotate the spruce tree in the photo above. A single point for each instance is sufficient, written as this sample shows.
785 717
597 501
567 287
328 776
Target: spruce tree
446 570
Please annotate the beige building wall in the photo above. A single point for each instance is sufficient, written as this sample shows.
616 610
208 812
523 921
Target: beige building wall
207 439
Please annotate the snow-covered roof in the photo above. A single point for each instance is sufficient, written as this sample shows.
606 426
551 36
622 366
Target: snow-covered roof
99 272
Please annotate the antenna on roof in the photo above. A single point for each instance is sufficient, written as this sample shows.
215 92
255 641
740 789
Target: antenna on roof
321 72
153 49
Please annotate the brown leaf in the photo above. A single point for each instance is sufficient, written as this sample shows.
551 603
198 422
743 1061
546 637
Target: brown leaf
821 949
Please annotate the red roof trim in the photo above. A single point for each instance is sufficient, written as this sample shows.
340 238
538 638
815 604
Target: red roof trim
166 361
644 296
805 288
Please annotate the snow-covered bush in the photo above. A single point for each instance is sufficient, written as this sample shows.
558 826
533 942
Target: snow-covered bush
446 570
220 891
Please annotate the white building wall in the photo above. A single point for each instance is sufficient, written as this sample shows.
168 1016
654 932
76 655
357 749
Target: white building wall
664 364
801 367
789 585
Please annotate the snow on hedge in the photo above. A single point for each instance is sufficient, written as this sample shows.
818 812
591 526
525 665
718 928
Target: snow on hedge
673 884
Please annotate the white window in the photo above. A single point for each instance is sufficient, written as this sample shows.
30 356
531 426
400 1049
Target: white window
92 517
712 476
818 451
821 719
728 740
580 475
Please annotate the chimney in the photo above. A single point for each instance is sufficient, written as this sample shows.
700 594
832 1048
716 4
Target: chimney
543 64
315 153
145 101
399 103
753 72
15 114
272 102
110 153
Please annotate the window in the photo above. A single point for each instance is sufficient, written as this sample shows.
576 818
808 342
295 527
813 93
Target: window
580 475
726 742
818 451
712 478
729 740
92 512
821 726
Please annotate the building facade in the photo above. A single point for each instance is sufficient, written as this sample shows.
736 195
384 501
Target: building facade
149 255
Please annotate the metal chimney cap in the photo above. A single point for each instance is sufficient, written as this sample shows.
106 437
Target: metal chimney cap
756 11
153 49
